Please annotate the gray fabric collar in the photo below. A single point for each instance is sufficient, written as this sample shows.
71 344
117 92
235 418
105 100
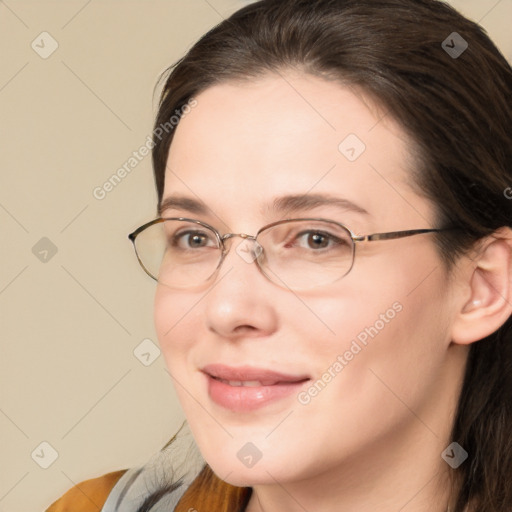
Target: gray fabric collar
180 460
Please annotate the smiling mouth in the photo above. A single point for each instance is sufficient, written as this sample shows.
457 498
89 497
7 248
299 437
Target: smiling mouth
244 389
250 376
256 383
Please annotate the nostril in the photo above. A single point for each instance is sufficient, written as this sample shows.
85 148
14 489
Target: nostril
244 328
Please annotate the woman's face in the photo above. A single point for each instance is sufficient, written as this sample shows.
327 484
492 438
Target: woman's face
364 355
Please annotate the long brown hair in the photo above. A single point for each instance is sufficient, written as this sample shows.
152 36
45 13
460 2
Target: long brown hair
457 110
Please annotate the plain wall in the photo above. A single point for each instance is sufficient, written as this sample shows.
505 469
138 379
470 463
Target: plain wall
70 321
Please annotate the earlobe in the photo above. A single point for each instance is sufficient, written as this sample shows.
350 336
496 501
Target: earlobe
490 283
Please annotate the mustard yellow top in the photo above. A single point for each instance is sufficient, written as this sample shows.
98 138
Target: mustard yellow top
87 496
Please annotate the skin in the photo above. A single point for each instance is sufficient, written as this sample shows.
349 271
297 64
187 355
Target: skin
372 438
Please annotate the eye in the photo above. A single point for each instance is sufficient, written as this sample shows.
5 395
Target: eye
317 240
193 239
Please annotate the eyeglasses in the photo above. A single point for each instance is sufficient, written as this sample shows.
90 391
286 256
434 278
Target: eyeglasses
294 253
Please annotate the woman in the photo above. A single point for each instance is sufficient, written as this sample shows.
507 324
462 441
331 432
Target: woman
320 368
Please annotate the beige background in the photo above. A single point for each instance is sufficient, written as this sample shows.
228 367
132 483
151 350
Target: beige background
70 324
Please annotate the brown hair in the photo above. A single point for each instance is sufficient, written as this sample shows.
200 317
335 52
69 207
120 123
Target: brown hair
458 113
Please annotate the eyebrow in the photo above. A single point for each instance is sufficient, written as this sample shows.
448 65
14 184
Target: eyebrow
288 204
182 203
304 202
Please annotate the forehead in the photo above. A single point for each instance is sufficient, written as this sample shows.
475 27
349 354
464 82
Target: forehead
246 143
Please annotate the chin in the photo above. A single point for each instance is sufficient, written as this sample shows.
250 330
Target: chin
245 477
234 464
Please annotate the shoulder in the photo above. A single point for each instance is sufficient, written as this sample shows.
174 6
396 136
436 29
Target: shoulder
87 496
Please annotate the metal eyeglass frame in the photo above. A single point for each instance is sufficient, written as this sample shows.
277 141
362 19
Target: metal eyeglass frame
391 235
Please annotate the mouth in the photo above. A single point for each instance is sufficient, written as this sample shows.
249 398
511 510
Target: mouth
248 383
247 388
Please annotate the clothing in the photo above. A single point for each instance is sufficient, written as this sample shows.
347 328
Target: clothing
87 496
126 490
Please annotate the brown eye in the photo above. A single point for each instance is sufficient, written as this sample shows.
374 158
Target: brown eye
192 240
317 240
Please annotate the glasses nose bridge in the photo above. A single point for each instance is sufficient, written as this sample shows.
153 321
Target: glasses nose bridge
249 255
228 236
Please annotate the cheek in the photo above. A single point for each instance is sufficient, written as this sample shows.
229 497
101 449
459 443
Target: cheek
178 328
175 325
386 351
393 325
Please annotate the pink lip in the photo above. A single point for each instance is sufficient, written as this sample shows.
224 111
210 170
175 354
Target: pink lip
275 385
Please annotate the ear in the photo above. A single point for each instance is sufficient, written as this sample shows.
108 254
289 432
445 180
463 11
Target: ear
487 302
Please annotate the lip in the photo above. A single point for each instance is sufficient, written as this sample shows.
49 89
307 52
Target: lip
225 389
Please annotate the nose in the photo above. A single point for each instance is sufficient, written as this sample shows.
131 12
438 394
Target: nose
239 302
